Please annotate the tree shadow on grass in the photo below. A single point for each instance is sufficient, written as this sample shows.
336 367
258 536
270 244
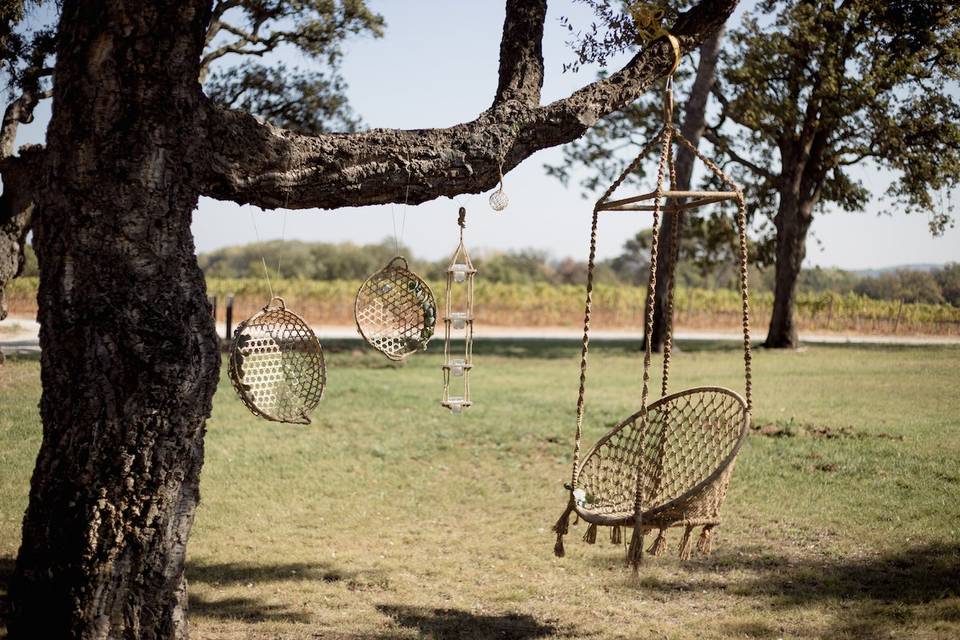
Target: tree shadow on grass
456 623
867 597
6 574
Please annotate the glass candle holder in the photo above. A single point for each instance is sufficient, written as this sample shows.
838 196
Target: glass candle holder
455 404
459 319
457 367
459 272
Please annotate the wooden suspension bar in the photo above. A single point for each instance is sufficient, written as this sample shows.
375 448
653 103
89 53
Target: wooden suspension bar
702 198
693 204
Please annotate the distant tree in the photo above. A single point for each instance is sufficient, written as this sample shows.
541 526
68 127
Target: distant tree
528 265
948 277
820 280
810 88
903 284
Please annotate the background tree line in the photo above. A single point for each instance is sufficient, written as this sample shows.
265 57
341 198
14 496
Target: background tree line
328 261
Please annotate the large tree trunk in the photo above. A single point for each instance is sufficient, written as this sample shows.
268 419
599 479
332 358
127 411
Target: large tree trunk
792 222
130 358
694 123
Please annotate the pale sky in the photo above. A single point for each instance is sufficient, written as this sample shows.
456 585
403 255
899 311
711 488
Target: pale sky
437 66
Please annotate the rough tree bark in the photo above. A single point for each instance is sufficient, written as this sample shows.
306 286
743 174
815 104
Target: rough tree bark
129 352
692 128
130 357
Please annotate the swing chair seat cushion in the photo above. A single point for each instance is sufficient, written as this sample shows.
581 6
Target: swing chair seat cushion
684 456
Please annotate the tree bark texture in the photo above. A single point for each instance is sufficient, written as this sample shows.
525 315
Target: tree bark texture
792 222
692 128
130 357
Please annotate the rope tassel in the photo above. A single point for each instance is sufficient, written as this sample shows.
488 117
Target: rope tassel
685 546
590 537
705 542
635 552
659 545
561 528
615 535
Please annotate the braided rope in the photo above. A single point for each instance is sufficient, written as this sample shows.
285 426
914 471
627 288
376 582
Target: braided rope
654 250
632 166
585 350
588 305
744 267
745 300
651 288
671 282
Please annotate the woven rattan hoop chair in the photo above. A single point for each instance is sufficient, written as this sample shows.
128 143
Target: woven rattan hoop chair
668 464
395 311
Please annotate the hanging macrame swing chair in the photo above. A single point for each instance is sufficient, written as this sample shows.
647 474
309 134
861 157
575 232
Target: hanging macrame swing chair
668 464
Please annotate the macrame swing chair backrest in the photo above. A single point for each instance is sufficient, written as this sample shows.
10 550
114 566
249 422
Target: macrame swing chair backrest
277 365
669 463
395 311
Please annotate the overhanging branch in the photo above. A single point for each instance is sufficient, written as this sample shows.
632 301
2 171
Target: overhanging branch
253 162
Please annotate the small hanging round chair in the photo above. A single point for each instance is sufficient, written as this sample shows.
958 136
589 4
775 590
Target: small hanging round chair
668 464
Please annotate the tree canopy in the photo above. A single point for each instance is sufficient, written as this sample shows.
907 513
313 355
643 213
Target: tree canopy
808 89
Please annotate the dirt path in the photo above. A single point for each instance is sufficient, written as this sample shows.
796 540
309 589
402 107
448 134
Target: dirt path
21 334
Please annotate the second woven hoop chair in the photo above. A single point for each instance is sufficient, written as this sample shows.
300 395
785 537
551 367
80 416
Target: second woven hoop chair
668 464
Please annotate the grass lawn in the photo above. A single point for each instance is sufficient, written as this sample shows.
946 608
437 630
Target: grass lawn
389 518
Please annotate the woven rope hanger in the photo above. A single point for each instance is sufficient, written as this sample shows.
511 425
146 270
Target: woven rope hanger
649 445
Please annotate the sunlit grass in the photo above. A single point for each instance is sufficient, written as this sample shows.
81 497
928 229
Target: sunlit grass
388 517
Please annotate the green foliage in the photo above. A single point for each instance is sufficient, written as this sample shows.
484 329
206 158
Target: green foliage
296 259
25 49
806 90
311 99
906 285
876 89
949 280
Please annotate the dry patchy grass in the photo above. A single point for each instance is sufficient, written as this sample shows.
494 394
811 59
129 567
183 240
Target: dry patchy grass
388 518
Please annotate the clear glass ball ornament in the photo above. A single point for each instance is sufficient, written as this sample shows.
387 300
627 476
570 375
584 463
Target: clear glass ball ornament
499 200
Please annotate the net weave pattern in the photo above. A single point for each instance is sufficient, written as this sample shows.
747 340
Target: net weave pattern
685 441
395 311
277 365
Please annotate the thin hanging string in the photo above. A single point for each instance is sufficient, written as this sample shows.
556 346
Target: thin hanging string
283 238
398 236
263 260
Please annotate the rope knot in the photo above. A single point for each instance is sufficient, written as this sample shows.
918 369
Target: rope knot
462 218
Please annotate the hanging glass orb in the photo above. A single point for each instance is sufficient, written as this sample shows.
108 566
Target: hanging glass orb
499 200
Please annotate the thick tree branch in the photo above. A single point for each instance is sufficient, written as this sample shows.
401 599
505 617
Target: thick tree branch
254 162
16 213
521 52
